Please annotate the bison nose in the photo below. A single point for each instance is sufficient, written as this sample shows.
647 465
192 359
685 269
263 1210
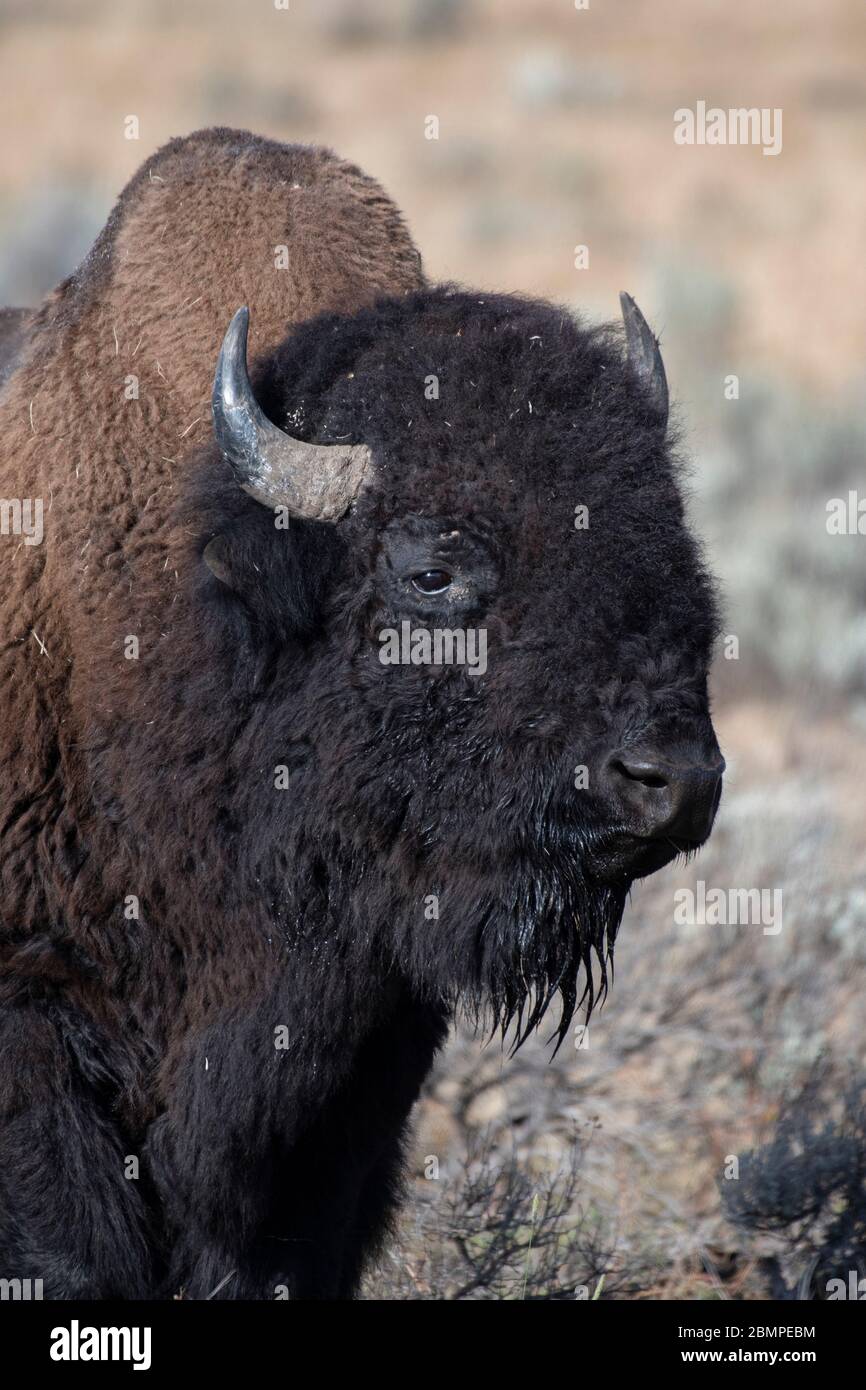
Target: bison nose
666 796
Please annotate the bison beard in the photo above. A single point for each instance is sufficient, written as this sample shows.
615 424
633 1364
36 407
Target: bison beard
515 921
499 945
522 941
241 983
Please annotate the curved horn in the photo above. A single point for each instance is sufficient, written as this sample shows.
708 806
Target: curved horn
644 358
316 481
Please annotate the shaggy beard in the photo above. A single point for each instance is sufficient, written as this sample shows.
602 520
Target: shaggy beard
513 930
541 943
504 949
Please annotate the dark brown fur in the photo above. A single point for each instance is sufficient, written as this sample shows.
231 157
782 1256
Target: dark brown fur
152 299
193 235
167 902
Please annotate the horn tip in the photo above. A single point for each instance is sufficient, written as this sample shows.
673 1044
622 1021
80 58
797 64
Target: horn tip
634 319
630 310
235 341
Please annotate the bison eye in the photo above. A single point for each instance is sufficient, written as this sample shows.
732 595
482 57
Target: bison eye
431 581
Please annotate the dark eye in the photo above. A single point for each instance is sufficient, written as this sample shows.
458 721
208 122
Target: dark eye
431 581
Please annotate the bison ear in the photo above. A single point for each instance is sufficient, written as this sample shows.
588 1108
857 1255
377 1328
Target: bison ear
644 359
217 557
279 579
228 559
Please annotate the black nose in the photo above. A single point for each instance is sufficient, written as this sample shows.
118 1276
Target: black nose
665 795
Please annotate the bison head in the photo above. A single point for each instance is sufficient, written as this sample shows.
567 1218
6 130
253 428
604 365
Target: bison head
488 468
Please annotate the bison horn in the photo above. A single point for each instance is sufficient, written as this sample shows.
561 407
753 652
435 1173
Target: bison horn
644 358
316 481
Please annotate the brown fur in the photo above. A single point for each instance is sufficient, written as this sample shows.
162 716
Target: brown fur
192 236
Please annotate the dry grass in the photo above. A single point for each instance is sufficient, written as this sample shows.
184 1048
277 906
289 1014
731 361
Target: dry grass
704 1031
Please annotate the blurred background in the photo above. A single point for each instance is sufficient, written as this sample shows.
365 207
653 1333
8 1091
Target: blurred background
609 1169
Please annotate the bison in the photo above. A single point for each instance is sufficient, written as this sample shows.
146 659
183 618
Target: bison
249 867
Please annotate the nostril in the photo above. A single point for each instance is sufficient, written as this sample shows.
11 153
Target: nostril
664 793
648 774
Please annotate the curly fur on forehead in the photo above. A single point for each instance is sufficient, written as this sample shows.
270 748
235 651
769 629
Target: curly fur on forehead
500 360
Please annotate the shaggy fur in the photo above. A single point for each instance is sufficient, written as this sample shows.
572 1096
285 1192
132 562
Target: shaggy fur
219 857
